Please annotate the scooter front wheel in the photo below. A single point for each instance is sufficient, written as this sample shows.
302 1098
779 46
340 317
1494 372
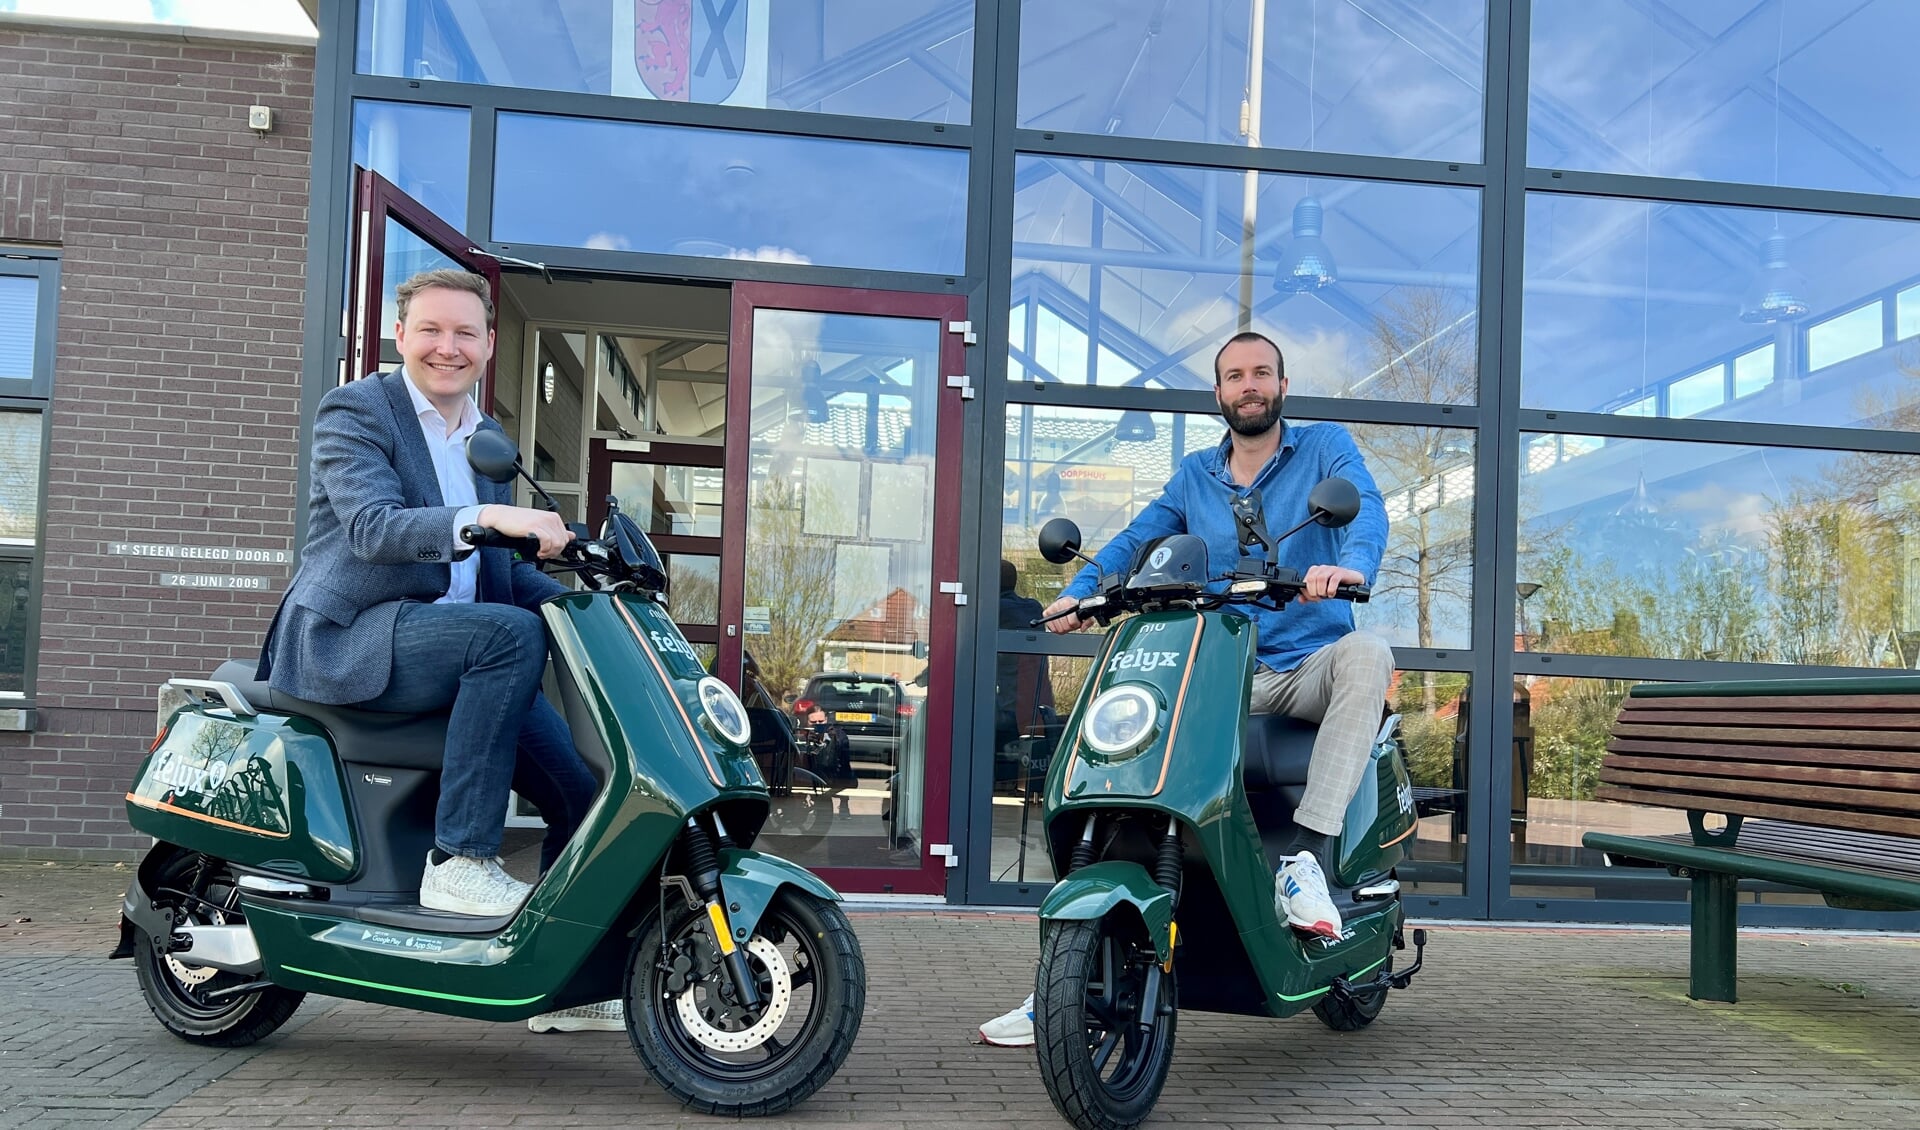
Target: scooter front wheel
198 1003
1102 1061
718 1057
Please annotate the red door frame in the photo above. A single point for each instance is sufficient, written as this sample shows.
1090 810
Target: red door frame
943 615
376 199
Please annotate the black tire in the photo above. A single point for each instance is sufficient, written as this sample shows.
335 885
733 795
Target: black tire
1357 1012
1100 1069
825 978
1352 1014
178 993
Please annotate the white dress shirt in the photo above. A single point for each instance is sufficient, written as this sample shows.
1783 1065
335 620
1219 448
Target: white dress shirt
449 451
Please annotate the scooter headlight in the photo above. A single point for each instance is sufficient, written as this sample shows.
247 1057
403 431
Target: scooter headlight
723 711
1121 720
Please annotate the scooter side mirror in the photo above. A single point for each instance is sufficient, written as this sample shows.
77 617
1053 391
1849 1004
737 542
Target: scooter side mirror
1060 541
492 454
1334 502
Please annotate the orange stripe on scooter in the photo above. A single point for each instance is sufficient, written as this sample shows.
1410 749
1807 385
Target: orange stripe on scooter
1401 836
163 806
1173 727
647 649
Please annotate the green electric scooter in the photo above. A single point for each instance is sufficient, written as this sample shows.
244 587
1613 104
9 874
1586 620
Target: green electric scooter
1167 808
289 839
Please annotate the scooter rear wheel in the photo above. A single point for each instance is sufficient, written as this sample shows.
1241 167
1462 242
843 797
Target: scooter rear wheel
1102 1070
1354 1013
184 997
721 1059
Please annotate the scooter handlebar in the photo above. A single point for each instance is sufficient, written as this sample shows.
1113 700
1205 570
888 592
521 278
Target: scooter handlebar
1093 605
481 537
1086 606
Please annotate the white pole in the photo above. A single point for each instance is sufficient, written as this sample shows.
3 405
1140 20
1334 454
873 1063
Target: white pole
1250 179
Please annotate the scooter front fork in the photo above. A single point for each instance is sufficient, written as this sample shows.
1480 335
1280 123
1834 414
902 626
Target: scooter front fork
1345 990
703 871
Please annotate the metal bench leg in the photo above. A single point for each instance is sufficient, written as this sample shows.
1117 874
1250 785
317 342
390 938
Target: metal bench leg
1716 922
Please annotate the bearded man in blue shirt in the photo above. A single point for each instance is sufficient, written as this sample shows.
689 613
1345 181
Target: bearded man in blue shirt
1313 663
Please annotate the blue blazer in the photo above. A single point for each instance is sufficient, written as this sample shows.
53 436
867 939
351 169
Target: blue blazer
378 535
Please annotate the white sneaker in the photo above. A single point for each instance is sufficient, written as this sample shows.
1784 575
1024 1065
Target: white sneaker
465 885
607 1016
1300 896
1014 1030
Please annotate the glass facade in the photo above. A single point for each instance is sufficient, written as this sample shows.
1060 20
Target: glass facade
1720 551
423 149
1619 300
1761 91
1384 80
909 59
726 194
1155 254
1647 308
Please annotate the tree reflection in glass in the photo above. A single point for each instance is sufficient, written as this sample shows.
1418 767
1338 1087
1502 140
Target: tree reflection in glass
1722 552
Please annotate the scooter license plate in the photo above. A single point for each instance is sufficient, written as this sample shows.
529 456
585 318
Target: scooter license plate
851 716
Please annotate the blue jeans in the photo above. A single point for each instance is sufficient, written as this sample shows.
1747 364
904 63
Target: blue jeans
484 661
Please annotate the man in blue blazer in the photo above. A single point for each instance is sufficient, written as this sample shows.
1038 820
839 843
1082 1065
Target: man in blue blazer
391 610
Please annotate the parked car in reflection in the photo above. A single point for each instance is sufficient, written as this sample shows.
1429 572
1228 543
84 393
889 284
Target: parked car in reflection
872 710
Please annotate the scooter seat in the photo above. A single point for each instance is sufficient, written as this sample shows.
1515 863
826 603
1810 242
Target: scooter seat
1275 751
362 737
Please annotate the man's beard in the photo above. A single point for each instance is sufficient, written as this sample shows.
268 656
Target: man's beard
1252 422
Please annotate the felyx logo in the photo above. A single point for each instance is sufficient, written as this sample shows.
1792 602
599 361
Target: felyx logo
1142 660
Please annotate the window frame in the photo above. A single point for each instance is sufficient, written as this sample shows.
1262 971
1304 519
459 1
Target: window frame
42 265
33 394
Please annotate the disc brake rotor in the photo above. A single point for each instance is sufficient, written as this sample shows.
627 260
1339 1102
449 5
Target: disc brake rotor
193 976
779 997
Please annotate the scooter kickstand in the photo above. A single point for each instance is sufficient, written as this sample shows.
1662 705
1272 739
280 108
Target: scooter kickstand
1401 978
1344 990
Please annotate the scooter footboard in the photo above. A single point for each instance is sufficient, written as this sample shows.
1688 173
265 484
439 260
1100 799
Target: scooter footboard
750 880
1094 891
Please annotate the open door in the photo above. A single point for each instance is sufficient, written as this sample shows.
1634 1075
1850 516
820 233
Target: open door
840 577
394 238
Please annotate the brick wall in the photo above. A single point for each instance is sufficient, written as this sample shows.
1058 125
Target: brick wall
175 413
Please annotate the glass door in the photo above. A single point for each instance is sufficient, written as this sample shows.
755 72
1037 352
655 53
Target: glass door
839 581
673 490
394 238
659 430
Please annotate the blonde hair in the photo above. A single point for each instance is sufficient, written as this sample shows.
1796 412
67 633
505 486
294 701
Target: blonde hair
444 278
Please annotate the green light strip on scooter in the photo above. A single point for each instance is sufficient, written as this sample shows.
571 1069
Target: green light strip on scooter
410 992
1317 992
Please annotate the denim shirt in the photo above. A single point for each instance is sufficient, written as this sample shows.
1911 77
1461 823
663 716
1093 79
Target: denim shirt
1199 500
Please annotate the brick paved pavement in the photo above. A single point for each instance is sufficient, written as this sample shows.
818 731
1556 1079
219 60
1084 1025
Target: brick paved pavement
1508 1028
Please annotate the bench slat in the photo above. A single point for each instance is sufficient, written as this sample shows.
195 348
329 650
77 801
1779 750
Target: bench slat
1745 806
1855 849
1829 796
1766 735
1837 776
1791 754
1784 719
1786 700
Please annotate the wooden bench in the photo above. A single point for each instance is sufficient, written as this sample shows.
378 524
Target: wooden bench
1818 779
